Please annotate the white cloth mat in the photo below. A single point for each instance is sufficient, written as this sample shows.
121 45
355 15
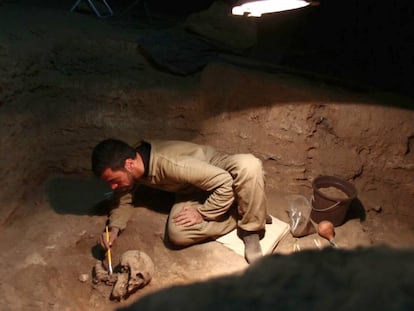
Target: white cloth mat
274 233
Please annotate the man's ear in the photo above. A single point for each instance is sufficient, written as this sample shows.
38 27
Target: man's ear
129 164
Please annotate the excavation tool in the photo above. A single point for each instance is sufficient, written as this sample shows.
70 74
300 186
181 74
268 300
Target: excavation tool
109 251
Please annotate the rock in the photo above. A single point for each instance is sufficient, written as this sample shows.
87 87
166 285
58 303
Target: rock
83 277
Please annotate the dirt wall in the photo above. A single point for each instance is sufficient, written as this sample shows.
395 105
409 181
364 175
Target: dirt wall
61 94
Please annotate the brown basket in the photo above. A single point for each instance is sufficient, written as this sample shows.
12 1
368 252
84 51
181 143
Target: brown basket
329 207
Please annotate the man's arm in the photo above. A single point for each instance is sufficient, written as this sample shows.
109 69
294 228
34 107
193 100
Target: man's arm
210 178
118 219
119 216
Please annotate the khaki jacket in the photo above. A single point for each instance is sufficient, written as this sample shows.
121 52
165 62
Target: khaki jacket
181 167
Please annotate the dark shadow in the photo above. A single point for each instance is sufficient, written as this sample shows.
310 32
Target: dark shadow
301 281
358 44
78 196
97 252
364 44
356 211
154 199
68 195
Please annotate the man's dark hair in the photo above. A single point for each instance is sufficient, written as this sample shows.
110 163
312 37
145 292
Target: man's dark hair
111 153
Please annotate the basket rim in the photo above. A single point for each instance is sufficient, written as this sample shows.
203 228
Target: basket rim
325 181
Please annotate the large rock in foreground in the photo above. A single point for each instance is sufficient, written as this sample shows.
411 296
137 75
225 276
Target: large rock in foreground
365 279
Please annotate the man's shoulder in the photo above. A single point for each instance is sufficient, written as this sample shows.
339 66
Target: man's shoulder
172 144
179 148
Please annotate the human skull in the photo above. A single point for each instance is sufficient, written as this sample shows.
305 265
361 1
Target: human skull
139 267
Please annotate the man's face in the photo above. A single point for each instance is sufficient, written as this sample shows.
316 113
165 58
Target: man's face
119 180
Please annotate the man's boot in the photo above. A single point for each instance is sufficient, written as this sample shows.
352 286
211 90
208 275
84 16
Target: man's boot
269 219
252 248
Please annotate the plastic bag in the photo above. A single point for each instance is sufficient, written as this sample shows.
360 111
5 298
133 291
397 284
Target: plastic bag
299 214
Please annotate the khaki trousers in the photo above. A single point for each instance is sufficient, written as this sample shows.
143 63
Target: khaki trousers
248 213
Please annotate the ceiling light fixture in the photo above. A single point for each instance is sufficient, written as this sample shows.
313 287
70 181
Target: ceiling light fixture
257 8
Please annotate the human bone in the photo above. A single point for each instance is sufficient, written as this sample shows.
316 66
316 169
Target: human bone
137 269
120 288
102 275
140 268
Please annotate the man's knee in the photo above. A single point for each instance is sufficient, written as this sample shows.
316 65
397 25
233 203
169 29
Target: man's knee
249 165
177 236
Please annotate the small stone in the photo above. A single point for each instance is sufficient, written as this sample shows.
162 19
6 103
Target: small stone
83 277
377 208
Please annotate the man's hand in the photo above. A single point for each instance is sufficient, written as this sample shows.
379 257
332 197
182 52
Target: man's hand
188 216
113 235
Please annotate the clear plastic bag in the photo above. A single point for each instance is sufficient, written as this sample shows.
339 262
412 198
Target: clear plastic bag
299 214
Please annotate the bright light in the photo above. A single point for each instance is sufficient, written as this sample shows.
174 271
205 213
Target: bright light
257 8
